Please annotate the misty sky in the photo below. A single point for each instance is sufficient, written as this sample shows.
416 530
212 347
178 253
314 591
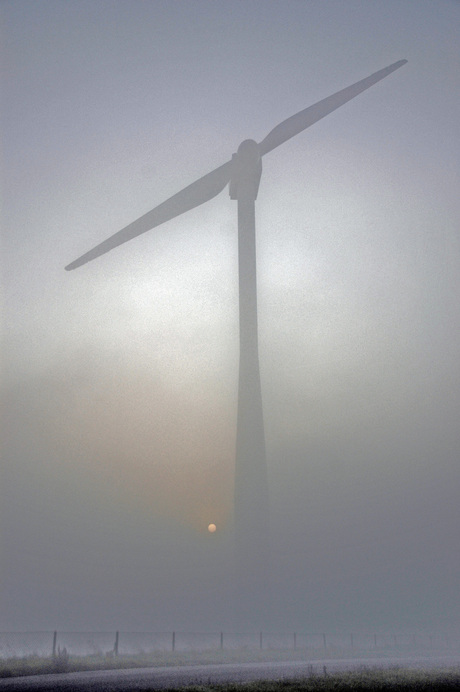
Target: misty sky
119 379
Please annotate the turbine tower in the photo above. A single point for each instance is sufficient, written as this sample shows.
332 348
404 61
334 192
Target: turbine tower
243 173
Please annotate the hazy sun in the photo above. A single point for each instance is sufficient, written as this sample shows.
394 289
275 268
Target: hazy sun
212 528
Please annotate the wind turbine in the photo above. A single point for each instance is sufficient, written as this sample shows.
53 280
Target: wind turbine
243 173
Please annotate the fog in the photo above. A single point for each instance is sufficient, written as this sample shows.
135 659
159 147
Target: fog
119 379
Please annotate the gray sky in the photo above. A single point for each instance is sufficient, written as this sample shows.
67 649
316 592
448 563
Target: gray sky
119 379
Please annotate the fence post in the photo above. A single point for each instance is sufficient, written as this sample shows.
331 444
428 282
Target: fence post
54 643
261 640
324 641
221 640
351 639
115 648
173 641
295 640
375 641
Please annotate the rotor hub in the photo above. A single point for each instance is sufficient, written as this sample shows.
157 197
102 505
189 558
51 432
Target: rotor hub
246 172
249 150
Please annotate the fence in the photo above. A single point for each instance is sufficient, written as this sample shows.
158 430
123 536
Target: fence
47 644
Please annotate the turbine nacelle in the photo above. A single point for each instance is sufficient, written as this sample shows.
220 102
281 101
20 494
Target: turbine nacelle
246 171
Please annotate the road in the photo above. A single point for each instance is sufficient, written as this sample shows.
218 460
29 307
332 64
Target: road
140 679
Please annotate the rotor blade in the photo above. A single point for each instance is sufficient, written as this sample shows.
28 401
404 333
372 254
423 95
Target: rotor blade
192 196
300 121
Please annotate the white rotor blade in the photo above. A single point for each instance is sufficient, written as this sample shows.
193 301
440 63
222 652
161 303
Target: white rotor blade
300 121
211 184
192 196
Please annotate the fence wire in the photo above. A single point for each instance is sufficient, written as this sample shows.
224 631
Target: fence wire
48 644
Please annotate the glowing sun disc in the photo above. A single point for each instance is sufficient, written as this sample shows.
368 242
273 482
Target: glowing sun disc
212 528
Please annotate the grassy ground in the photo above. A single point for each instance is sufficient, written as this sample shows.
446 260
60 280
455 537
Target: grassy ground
63 663
393 680
33 665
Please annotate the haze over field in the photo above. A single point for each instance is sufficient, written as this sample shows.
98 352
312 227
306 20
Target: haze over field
119 379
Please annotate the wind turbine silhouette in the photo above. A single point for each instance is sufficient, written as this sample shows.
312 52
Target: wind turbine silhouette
243 173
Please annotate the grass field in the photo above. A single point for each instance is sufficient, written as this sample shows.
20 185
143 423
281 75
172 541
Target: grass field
393 680
363 680
318 678
35 665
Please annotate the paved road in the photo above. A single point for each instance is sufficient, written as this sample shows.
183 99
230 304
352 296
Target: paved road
140 679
